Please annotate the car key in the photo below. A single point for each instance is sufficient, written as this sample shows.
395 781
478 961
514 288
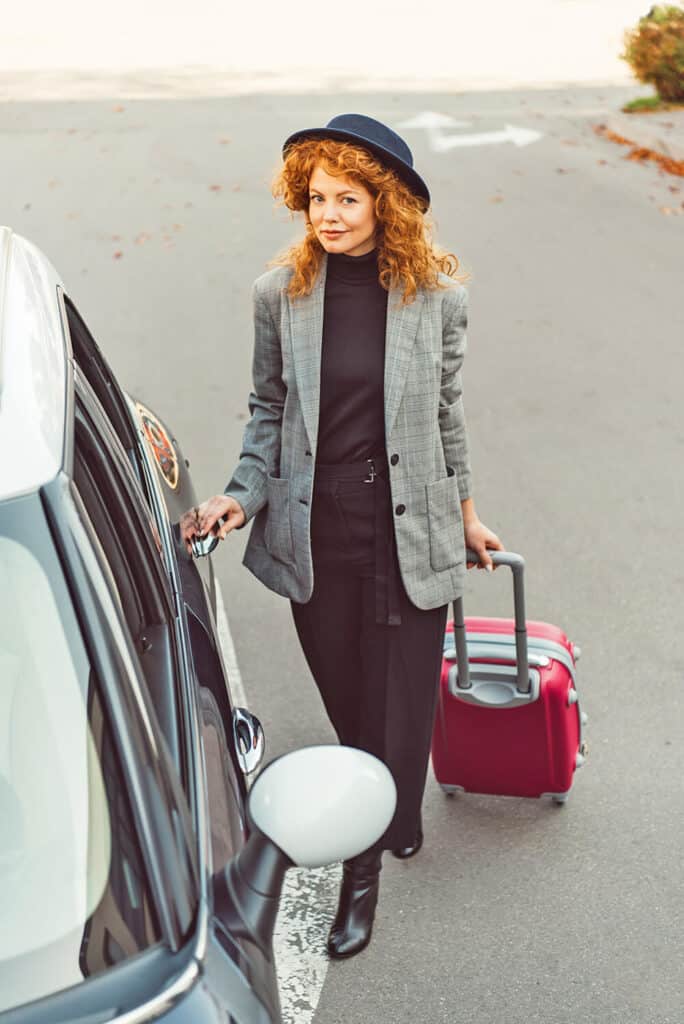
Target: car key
206 543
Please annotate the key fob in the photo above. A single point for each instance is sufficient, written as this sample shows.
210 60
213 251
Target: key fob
205 545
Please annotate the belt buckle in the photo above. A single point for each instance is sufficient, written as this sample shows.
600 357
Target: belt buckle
373 474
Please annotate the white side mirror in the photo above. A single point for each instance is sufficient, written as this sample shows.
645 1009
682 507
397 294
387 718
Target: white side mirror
322 804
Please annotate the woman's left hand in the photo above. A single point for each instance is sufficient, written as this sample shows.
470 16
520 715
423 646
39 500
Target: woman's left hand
479 537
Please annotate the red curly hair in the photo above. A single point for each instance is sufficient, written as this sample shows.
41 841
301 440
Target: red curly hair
406 253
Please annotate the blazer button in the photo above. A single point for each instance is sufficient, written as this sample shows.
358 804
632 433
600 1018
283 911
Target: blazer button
307 452
400 509
394 459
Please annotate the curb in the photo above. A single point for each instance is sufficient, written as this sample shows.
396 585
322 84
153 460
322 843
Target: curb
661 132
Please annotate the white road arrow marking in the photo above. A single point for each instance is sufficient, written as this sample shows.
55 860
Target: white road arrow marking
431 118
435 125
519 136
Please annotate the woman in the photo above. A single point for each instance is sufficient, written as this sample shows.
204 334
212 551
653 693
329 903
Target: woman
355 461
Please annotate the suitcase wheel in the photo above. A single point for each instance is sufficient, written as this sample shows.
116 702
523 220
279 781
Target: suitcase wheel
450 790
560 798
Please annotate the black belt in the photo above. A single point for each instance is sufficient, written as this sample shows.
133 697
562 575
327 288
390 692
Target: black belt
375 471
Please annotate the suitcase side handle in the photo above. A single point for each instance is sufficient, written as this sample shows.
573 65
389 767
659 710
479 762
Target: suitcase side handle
517 564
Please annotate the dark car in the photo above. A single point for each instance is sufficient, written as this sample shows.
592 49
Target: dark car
134 885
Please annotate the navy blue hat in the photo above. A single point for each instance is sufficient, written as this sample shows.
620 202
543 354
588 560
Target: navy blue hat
384 143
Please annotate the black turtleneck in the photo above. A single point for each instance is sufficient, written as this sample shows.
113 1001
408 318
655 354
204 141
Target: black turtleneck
351 422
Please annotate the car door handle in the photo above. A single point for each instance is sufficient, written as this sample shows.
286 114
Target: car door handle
249 740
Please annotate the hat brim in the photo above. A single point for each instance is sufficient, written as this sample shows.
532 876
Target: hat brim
406 173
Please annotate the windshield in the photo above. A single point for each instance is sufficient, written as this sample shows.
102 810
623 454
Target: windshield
72 898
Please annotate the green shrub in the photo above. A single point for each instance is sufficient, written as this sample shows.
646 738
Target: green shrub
655 50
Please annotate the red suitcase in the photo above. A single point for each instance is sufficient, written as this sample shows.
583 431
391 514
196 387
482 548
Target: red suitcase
508 718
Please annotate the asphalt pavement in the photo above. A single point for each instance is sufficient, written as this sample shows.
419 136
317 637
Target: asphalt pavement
158 216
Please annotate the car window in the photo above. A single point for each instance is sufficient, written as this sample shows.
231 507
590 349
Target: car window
111 451
104 384
74 891
106 516
133 552
134 564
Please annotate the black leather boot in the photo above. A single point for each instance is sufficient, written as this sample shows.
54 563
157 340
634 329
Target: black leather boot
409 851
351 929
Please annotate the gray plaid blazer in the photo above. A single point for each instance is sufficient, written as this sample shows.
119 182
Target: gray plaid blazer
424 428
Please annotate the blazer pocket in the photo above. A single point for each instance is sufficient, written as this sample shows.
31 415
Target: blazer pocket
445 523
278 529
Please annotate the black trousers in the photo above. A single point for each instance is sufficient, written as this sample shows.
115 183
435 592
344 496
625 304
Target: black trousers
378 681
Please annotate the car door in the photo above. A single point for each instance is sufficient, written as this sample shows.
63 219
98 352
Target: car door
162 475
167 612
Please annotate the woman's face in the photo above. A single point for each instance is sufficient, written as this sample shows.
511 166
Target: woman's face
341 213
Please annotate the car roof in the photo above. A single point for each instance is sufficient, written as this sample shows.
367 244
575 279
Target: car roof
33 365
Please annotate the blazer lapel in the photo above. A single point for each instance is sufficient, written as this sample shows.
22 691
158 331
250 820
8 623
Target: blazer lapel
402 327
306 326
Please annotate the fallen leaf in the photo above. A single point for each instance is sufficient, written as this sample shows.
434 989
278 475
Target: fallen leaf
118 109
215 188
53 182
602 162
236 188
641 154
177 227
71 131
496 199
116 238
27 206
117 255
187 205
224 141
142 238
674 188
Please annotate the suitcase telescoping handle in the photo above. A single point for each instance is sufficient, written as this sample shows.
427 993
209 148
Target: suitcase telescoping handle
517 564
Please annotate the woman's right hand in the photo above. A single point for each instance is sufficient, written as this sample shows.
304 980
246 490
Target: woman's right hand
199 521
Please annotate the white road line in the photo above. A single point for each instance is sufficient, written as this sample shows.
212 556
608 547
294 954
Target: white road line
237 688
435 124
308 900
307 908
